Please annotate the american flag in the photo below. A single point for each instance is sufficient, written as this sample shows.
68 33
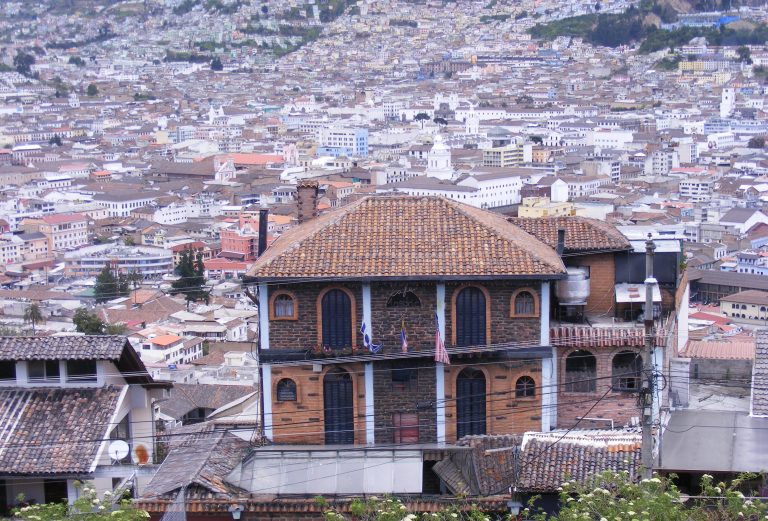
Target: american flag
441 355
403 337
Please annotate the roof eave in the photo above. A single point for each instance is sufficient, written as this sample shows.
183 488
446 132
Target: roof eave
384 278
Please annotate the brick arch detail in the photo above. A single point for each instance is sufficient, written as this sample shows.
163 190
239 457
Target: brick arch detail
353 313
454 297
536 303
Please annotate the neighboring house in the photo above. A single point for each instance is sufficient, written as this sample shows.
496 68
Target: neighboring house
746 307
597 345
193 403
62 231
743 218
69 398
722 432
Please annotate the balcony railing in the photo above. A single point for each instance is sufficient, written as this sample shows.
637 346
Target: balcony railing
585 336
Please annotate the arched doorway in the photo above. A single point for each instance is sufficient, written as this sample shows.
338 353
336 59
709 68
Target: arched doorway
470 317
470 402
337 408
337 319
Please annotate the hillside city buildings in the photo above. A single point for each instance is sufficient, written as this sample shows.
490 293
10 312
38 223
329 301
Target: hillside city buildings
358 186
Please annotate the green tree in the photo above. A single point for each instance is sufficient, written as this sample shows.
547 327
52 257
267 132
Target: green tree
440 121
33 315
216 64
108 286
537 139
23 63
88 507
92 90
745 56
613 496
421 117
191 282
55 140
87 323
756 142
77 61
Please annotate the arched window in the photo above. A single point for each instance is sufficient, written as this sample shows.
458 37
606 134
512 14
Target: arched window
283 307
403 299
580 372
336 322
470 317
525 387
286 390
626 371
524 303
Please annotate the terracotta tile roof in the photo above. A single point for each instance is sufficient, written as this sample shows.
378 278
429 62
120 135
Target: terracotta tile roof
201 462
581 233
720 350
186 397
54 431
62 348
759 405
546 460
406 236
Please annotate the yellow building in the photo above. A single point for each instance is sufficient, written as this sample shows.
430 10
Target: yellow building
544 207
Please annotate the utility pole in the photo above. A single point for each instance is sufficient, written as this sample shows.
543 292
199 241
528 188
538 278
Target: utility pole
646 393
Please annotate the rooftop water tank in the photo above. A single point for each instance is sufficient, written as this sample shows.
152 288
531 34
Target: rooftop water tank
574 289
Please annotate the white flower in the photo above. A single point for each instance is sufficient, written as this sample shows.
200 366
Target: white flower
101 507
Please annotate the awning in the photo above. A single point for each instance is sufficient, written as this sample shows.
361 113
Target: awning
635 293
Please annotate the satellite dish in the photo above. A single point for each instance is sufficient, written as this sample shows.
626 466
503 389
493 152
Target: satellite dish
118 450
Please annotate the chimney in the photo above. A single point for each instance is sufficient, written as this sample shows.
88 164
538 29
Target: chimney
306 195
560 241
263 224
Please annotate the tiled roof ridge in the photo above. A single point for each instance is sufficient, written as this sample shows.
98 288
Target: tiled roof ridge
319 223
516 233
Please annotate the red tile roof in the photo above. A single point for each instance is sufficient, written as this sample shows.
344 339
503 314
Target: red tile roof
63 218
744 350
581 233
406 236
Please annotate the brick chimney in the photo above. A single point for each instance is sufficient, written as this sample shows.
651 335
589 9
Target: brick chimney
306 195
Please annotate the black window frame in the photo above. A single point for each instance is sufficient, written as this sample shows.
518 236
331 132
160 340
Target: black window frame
49 368
84 375
7 370
579 378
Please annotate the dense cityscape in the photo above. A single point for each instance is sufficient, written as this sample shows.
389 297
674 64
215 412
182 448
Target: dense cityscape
383 260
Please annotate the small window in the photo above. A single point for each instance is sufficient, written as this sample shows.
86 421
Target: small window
286 390
405 426
403 299
284 307
525 387
43 371
7 370
81 370
525 304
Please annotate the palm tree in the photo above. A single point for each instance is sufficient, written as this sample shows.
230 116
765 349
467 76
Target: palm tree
33 315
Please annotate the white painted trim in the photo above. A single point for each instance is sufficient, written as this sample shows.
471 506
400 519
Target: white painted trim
546 394
367 309
264 316
544 312
440 368
370 430
113 421
552 390
266 389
